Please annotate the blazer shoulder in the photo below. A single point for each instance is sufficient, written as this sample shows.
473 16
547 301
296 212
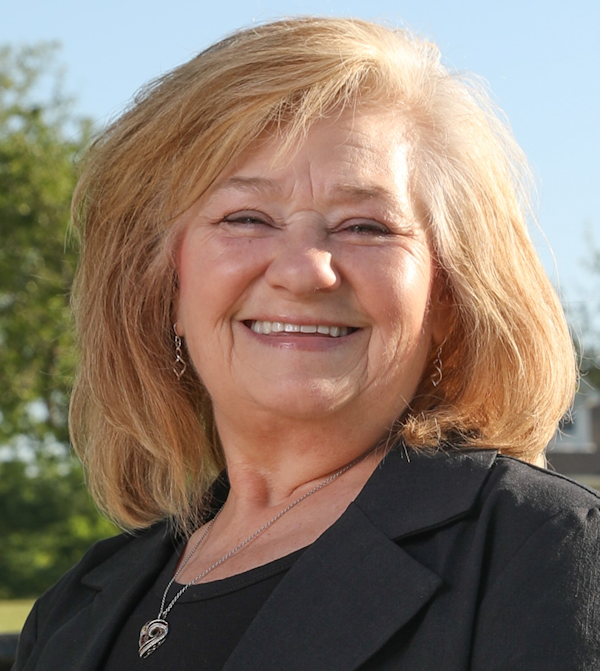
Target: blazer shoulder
540 606
518 499
539 487
122 559
97 556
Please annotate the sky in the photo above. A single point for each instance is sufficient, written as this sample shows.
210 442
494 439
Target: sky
540 58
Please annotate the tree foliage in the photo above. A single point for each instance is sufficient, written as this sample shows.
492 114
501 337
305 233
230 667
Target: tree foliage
47 521
36 266
46 517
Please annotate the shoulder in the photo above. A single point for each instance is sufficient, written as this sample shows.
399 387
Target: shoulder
124 561
415 490
108 557
501 503
106 551
522 483
77 589
538 523
540 604
530 496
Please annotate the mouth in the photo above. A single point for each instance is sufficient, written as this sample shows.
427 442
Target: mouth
274 328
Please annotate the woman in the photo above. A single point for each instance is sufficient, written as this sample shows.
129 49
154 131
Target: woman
305 265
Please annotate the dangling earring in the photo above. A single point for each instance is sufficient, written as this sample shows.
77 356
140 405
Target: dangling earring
436 378
179 365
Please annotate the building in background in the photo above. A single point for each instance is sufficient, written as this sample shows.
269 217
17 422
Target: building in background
575 450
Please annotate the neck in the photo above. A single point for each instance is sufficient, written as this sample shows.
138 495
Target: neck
271 462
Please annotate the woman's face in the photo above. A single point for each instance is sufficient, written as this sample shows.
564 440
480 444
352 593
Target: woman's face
306 286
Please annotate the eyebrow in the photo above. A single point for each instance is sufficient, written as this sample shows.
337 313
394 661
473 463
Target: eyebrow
355 193
362 193
253 184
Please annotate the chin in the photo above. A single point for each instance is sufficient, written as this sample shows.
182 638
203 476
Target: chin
313 401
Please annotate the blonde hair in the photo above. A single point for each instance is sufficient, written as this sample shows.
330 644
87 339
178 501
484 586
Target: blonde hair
148 440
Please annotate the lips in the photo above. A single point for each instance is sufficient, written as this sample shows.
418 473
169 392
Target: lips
268 328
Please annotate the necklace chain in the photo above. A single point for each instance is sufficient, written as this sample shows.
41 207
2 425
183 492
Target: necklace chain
155 631
164 611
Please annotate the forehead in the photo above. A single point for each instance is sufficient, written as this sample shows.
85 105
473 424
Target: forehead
357 155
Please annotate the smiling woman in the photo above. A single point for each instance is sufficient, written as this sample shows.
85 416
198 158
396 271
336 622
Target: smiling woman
326 237
319 360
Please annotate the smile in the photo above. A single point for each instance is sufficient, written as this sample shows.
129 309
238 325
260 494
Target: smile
267 328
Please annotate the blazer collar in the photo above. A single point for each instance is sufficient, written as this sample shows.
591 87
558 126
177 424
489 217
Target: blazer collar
347 594
411 491
137 562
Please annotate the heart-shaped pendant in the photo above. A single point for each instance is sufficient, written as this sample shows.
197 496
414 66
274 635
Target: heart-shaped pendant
152 635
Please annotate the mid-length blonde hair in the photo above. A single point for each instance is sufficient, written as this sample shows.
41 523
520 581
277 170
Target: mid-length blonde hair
148 440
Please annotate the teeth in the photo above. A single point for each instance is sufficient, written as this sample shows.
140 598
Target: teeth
280 327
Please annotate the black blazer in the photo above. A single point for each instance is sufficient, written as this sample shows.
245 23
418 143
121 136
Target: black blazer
462 560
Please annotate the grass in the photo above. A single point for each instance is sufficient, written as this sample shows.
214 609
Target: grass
13 615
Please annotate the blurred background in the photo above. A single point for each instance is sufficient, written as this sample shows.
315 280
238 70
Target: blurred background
67 68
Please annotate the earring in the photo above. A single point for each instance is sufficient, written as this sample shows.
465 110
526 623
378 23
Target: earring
179 365
436 378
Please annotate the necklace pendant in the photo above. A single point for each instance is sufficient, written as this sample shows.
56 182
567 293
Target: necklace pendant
152 635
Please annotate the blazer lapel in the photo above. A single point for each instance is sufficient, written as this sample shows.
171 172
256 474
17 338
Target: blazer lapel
355 587
348 593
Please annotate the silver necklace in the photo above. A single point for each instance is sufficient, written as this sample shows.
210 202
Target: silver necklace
154 632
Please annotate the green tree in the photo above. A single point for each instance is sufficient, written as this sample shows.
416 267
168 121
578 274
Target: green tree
47 522
46 517
37 178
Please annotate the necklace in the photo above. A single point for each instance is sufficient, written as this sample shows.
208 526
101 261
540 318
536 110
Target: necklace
154 632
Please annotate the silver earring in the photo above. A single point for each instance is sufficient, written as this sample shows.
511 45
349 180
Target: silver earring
436 378
179 365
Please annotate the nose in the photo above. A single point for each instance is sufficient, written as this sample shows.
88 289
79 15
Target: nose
303 263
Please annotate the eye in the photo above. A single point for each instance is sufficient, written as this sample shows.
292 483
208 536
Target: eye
367 227
247 218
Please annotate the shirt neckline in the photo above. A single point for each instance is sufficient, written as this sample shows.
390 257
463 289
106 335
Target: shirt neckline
214 588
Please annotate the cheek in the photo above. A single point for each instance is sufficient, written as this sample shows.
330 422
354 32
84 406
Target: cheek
400 295
214 275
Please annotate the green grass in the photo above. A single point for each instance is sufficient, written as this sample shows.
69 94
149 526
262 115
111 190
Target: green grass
13 615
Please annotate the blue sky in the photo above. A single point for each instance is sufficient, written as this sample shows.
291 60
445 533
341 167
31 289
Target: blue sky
541 59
